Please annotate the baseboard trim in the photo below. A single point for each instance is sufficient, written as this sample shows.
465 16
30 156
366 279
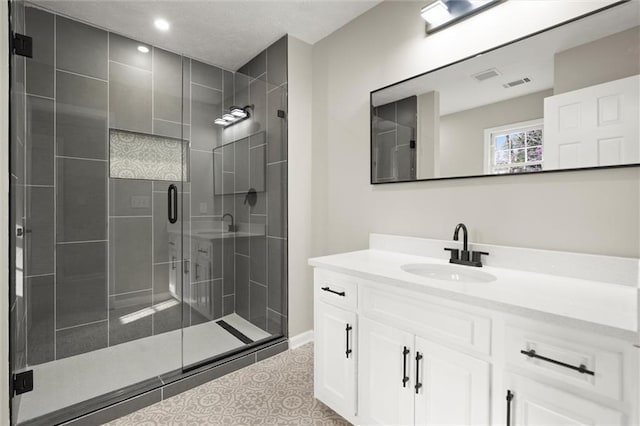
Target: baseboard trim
300 339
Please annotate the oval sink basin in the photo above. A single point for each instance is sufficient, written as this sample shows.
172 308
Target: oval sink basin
462 274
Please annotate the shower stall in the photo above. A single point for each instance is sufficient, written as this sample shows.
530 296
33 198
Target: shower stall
149 210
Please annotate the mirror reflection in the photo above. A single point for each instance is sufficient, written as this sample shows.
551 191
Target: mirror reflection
565 98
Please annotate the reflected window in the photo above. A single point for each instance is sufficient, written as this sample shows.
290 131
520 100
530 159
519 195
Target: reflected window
514 148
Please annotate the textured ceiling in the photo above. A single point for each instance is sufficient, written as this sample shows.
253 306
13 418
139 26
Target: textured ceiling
222 32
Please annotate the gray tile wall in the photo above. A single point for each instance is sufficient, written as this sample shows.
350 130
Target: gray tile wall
99 249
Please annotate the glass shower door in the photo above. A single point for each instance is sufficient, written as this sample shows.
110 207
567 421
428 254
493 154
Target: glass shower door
99 181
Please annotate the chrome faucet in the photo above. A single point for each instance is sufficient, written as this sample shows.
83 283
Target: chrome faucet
232 227
463 258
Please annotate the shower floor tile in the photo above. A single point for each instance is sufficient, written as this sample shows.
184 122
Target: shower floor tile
68 381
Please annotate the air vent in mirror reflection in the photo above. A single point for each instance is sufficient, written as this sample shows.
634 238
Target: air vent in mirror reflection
516 82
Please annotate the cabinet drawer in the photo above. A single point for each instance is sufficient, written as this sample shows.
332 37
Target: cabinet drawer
430 320
562 353
336 289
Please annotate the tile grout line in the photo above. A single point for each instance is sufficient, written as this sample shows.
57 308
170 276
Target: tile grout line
55 185
108 155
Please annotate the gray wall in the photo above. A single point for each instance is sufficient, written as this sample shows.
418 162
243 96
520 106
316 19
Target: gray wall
113 256
462 133
585 211
610 58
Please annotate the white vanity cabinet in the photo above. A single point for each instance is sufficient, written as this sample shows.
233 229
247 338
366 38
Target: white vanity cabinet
405 379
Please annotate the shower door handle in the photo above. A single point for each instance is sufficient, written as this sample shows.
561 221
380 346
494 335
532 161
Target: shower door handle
172 203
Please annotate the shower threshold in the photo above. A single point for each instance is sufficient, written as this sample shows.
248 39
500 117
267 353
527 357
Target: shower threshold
70 381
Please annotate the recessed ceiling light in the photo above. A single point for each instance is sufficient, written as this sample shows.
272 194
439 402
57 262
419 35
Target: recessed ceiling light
435 13
161 24
143 49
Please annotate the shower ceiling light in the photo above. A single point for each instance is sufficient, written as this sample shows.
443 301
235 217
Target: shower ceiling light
143 49
444 13
162 24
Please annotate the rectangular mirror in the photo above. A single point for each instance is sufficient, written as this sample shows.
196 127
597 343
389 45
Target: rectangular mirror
560 99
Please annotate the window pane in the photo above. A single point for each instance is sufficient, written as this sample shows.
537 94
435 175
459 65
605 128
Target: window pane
502 157
534 154
533 168
502 143
534 137
517 140
517 156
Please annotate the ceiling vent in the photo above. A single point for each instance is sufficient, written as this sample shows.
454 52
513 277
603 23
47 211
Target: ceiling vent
486 75
516 83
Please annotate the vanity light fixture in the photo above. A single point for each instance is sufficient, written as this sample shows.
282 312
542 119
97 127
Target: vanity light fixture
440 14
235 115
162 24
143 49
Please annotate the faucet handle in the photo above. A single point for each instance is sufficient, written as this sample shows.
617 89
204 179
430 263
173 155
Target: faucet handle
476 256
455 253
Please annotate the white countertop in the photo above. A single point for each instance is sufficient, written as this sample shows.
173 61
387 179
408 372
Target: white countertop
520 292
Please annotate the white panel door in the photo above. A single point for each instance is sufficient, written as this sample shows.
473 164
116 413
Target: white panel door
537 404
594 126
455 389
385 397
335 369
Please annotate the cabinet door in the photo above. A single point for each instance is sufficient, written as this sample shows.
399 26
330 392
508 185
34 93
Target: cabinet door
335 369
455 387
384 397
537 404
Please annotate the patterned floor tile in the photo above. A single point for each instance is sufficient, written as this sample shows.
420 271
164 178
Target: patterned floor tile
276 391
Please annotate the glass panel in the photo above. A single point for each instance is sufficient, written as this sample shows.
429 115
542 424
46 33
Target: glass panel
99 315
237 232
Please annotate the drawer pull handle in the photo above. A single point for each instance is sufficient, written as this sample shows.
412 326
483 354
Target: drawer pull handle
347 330
405 379
509 398
339 293
418 384
581 368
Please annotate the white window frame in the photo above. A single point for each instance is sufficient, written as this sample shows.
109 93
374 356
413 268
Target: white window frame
507 128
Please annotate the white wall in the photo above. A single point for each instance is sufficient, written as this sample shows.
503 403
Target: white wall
588 211
4 216
299 172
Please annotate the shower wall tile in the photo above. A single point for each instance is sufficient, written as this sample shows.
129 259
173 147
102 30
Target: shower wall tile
202 184
82 339
129 98
277 62
81 116
81 200
40 141
186 90
167 240
81 283
171 130
243 210
41 323
277 127
277 199
81 48
39 240
241 89
258 98
276 323
228 265
18 100
125 51
258 300
257 139
130 248
277 273
241 165
167 293
206 75
128 320
228 305
167 85
256 66
130 197
258 259
243 246
242 286
39 72
206 106
227 89
257 170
